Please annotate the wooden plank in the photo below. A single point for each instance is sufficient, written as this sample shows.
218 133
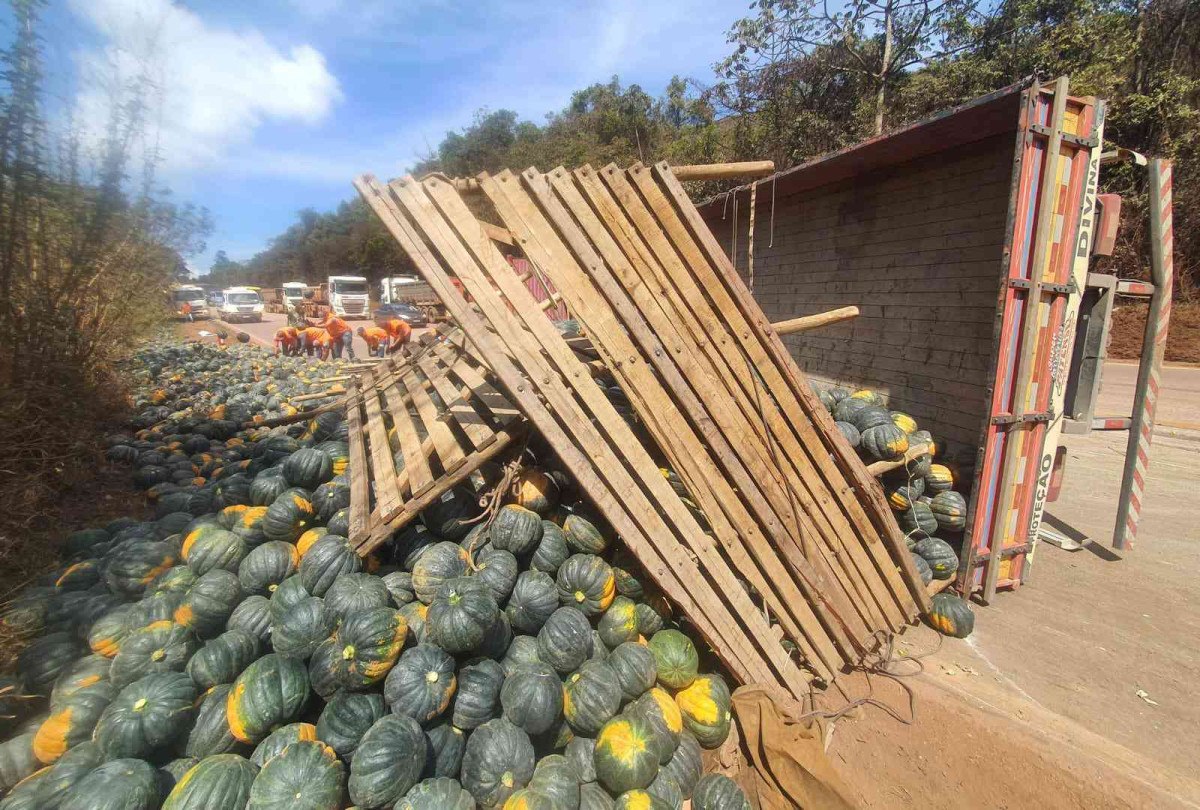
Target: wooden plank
688 454
360 490
708 612
387 495
725 171
847 464
807 322
806 493
416 465
497 403
445 444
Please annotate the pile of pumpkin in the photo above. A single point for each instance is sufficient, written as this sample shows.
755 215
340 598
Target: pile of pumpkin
234 650
921 492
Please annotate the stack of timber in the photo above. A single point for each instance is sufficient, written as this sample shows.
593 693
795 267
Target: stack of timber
795 538
418 424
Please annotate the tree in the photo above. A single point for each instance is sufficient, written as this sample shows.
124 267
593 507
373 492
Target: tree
876 40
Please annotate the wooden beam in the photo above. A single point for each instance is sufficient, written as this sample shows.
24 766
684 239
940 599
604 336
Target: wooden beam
498 234
807 322
724 171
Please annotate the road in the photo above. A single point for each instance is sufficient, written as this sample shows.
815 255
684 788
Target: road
1178 405
264 332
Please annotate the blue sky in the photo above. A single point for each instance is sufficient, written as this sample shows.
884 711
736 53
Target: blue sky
270 106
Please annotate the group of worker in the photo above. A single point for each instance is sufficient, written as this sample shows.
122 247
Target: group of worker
331 336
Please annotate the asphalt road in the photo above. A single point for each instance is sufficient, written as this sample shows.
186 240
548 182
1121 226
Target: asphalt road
264 332
1178 404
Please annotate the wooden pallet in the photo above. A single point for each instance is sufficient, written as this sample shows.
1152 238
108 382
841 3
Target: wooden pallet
790 509
436 409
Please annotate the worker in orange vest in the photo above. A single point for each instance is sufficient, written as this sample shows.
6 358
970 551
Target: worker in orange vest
340 335
186 309
287 341
310 337
324 345
398 333
376 338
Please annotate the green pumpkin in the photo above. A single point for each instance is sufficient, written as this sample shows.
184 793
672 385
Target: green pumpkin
387 762
663 792
461 614
580 752
850 433
522 651
121 784
685 766
922 568
532 698
146 716
626 757
619 623
158 647
649 619
329 497
78 577
439 562
414 613
516 529
133 565
355 593
661 712
266 566
269 693
586 583
706 707
45 788
939 479
223 659
951 615
421 684
635 668
534 598
253 614
565 640
552 550
288 516
918 519
211 735
498 761
447 517
556 779
223 780
498 570
366 647
17 760
289 594
213 550
176 579
439 793
445 745
306 775
264 489
594 797
885 442
675 658
870 417
399 586
591 697
582 534
949 510
844 409
327 559
307 468
106 633
716 791
281 738
209 603
628 585
942 559
347 717
71 721
478 698
84 673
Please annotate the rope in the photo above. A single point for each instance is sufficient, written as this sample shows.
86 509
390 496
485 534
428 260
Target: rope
750 239
771 241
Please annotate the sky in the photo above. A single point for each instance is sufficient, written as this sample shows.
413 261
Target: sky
271 106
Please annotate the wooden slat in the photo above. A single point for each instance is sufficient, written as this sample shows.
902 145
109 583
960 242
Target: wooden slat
360 492
449 454
467 418
387 496
416 465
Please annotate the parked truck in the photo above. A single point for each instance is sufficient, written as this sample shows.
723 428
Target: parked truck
189 294
278 299
412 290
345 296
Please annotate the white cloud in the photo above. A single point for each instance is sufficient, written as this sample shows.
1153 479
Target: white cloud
217 86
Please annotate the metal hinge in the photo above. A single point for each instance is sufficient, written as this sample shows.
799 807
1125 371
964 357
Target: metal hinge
1012 419
1062 289
1077 140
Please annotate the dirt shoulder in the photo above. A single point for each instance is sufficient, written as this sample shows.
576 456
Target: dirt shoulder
1129 324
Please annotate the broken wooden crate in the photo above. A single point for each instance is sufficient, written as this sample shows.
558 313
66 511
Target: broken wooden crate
796 540
418 424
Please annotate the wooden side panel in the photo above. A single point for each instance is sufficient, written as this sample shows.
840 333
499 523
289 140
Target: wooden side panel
917 248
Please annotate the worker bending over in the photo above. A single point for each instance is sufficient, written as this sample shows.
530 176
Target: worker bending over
376 338
340 336
287 341
310 337
398 333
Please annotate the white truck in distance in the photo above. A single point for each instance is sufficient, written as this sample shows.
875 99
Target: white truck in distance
348 296
293 292
241 304
189 294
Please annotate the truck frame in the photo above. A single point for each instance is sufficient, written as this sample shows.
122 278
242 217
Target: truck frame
965 240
